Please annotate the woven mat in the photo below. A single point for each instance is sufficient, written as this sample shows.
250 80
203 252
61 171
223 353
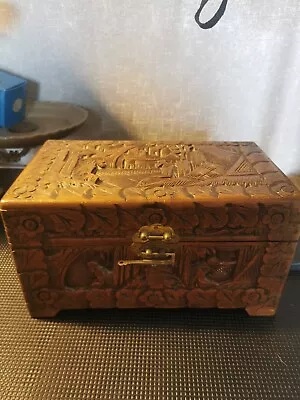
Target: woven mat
147 354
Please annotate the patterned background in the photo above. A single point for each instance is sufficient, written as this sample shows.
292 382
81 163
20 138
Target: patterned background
146 70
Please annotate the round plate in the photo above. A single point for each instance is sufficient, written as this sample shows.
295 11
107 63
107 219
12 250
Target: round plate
45 120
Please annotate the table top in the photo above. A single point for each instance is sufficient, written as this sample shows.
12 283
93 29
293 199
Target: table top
45 120
147 354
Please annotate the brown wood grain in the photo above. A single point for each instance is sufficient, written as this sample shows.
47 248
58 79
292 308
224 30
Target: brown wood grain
81 207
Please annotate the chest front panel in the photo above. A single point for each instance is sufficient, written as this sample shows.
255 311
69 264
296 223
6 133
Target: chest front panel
88 274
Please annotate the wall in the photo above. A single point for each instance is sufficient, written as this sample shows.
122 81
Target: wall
151 72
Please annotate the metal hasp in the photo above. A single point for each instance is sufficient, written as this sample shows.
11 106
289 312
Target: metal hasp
155 245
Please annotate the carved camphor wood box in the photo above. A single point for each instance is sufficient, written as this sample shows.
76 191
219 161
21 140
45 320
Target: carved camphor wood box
129 224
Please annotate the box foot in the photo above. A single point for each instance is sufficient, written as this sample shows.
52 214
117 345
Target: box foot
261 311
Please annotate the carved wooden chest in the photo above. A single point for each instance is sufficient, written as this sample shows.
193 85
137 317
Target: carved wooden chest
134 224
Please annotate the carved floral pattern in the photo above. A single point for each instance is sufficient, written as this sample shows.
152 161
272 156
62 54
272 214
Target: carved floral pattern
230 298
160 192
254 297
127 298
30 225
242 216
26 190
44 297
277 259
271 285
29 260
185 219
25 228
101 298
34 280
209 217
65 220
153 298
259 221
202 298
152 215
276 216
175 298
100 220
72 300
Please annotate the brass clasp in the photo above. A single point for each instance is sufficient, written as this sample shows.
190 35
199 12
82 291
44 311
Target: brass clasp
154 245
154 262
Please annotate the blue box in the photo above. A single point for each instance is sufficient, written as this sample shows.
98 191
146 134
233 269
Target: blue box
12 99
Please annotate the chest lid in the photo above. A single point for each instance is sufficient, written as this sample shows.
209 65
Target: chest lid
219 190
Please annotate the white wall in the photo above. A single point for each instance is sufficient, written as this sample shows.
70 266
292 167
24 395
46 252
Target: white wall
148 69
